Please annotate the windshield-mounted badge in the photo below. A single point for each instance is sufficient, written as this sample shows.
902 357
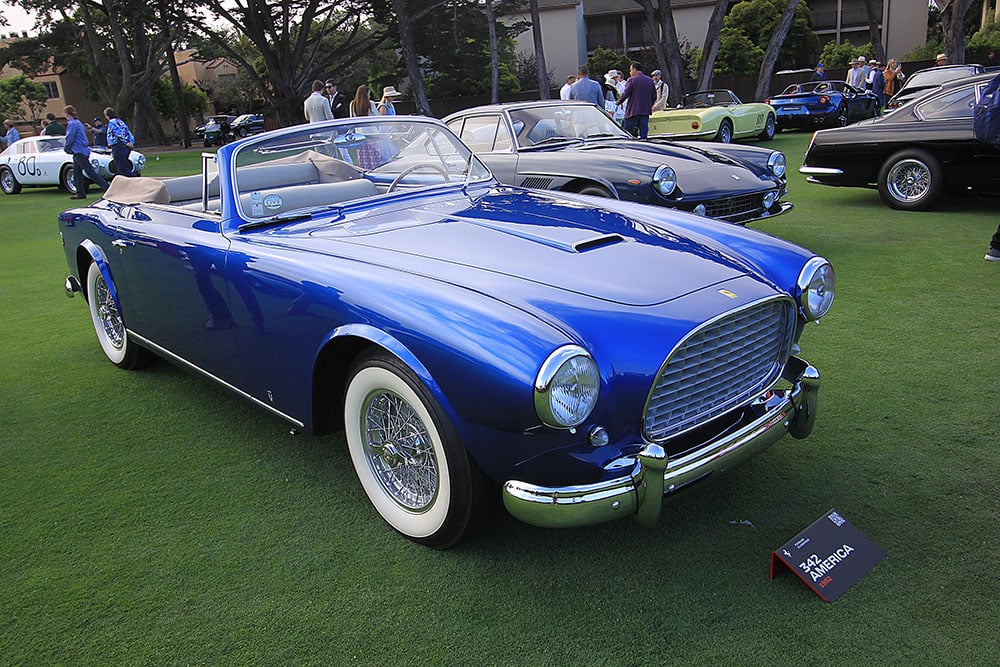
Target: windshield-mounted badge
727 293
272 202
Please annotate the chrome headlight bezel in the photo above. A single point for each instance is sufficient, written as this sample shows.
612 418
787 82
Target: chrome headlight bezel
777 164
665 180
570 372
817 287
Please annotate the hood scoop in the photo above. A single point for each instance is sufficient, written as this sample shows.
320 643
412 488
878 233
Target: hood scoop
598 242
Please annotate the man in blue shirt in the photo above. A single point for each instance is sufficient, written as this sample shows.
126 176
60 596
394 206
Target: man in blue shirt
78 146
586 89
12 134
120 140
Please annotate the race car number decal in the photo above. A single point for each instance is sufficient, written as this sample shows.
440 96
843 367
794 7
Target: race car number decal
27 166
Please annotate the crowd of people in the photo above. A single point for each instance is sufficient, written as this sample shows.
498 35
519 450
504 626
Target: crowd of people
630 102
325 102
871 75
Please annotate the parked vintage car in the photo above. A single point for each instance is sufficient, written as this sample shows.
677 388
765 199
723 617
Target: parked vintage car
575 147
914 155
218 130
369 274
247 124
40 161
823 104
718 115
924 81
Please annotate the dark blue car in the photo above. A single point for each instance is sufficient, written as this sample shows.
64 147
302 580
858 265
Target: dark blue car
579 358
819 104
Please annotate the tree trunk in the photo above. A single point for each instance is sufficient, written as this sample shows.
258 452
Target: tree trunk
873 31
536 33
175 79
494 66
676 76
710 51
654 25
773 49
413 71
953 27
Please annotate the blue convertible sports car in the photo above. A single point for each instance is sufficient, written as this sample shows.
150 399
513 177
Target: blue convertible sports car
578 357
819 104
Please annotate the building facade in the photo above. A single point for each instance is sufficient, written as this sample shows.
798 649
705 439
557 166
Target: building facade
571 29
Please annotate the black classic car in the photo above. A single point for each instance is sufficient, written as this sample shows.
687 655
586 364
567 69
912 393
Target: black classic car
913 155
247 124
926 80
576 147
822 104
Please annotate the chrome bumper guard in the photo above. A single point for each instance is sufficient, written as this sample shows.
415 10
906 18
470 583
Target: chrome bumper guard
72 286
640 492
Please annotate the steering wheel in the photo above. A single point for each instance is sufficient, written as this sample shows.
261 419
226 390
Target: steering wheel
412 168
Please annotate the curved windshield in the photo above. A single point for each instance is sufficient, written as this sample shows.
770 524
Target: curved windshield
709 98
553 123
935 76
324 165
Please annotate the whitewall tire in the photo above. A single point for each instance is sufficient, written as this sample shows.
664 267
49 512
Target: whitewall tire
411 464
109 324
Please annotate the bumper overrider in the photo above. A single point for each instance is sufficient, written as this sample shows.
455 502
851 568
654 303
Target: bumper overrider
640 492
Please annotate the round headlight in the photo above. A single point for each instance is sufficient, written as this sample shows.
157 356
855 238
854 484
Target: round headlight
700 209
769 199
776 163
816 288
567 387
664 180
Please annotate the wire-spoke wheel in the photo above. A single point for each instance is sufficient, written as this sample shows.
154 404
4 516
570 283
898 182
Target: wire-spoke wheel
8 183
411 463
725 133
109 325
910 180
770 128
66 180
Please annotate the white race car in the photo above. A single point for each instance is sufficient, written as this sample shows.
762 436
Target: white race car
41 161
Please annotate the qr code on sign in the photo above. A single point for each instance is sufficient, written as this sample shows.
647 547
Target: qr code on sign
836 519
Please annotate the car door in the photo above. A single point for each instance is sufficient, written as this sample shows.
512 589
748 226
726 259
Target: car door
175 269
946 126
28 168
745 117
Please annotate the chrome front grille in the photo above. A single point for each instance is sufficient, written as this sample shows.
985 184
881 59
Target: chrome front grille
735 207
719 366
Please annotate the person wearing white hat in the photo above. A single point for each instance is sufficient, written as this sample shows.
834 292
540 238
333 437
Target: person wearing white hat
856 75
613 80
662 90
942 59
385 106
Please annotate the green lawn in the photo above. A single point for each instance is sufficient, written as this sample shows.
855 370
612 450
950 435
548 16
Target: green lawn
151 518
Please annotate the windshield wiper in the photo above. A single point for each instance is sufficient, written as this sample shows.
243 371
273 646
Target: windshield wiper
553 140
276 220
604 135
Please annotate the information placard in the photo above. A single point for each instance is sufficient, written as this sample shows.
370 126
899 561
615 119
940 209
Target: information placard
830 556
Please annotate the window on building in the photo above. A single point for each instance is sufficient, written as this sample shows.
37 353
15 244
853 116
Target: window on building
51 89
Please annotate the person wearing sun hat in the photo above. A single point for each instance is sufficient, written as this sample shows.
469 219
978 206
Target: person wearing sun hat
941 59
385 106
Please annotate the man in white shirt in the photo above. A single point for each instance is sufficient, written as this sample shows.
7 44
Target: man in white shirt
317 107
564 91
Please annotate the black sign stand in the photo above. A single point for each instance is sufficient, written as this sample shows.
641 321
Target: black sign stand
830 556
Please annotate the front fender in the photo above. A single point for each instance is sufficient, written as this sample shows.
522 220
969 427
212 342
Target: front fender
88 252
402 352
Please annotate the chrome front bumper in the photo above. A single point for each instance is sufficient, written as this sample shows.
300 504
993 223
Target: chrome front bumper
640 492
